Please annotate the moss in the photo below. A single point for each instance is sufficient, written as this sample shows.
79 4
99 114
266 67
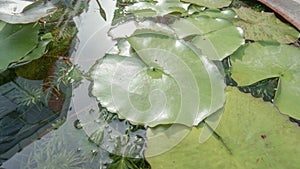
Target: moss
36 69
254 4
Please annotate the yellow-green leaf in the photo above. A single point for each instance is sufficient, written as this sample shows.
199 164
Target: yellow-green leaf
251 134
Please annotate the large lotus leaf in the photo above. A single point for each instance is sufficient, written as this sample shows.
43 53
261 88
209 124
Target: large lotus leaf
21 11
257 61
161 8
210 3
16 41
186 65
251 134
263 26
168 82
208 31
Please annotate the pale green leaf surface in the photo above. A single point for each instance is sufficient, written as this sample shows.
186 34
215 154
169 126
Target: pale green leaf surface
255 133
216 13
161 8
37 52
260 26
208 31
210 3
16 41
122 85
257 61
169 82
186 66
22 11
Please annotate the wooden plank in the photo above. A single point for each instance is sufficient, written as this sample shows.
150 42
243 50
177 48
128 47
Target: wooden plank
289 9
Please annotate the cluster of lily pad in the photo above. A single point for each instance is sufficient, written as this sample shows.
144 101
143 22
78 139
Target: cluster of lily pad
196 36
166 71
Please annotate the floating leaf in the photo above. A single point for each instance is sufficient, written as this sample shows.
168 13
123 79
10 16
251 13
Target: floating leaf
257 61
168 82
16 41
217 38
262 26
251 134
210 3
216 13
39 50
22 11
161 8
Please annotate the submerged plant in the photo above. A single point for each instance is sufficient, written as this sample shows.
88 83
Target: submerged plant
51 155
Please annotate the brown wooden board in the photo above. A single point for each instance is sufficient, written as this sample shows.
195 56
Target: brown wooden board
289 9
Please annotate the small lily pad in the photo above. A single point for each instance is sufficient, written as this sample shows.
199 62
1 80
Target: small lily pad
210 3
161 8
207 32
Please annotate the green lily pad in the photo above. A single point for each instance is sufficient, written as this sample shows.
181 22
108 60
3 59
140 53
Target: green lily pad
16 41
210 3
208 31
263 26
39 50
257 61
251 134
166 81
161 8
216 13
23 11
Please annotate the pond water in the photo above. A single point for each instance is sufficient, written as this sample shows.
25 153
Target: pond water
71 130
49 118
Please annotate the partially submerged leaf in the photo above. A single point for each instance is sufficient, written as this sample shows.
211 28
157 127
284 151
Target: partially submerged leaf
210 3
22 11
263 26
168 81
20 43
251 134
257 61
16 41
217 38
39 50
